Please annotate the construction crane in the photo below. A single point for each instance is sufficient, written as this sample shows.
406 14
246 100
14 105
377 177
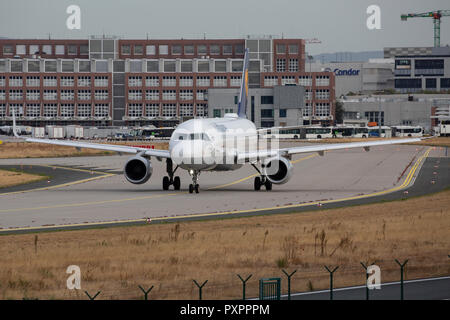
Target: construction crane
436 15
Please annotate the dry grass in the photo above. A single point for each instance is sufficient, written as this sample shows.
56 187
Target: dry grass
435 141
13 178
168 256
12 150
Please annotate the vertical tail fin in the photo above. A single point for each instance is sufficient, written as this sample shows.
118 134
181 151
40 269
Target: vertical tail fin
242 104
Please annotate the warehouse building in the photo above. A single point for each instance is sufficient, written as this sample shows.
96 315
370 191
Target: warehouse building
110 81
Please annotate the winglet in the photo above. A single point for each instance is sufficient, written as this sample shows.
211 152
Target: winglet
242 104
14 123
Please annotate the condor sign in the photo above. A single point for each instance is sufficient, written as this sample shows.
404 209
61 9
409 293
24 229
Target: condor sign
344 72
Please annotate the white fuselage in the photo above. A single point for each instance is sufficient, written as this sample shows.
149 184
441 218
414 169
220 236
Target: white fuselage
212 144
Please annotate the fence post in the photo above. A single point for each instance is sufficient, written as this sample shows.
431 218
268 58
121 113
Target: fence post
92 298
243 284
402 266
200 287
145 292
331 280
289 281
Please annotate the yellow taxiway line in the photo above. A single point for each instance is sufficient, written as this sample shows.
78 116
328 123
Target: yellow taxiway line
405 183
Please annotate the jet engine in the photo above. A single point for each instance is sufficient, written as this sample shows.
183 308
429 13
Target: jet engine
278 170
138 170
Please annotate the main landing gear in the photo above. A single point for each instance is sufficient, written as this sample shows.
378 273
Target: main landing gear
194 185
171 180
261 181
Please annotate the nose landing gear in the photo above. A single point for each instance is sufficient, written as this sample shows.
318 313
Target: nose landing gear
194 185
261 181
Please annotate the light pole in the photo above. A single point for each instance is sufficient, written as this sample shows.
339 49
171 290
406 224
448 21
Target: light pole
311 105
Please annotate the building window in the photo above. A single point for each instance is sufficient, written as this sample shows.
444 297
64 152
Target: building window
135 81
282 113
101 110
164 49
176 49
152 81
237 65
287 80
169 110
169 81
50 110
186 95
203 81
323 94
266 99
281 48
186 110
153 66
50 94
2 81
169 65
67 81
227 49
186 66
18 109
445 83
203 66
33 81
50 66
15 95
201 49
150 50
2 95
293 65
50 81
186 81
239 49
84 49
307 110
372 116
220 66
8 50
152 110
67 66
84 94
47 49
72 50
308 95
152 95
134 94
67 110
16 65
3 65
101 81
126 49
2 110
84 110
235 81
138 49
270 81
21 49
220 81
281 65
214 49
217 113
15 81
59 49
323 109
322 81
304 81
431 83
293 49
408 84
266 113
201 95
33 94
202 110
189 49
135 110
169 95
84 81
67 94
84 66
101 95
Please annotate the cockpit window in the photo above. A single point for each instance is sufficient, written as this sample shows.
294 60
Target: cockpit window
192 136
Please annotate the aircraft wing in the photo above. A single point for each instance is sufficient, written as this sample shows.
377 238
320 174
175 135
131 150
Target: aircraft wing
320 148
107 147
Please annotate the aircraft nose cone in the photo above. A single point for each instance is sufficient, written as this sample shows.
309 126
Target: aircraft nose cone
193 152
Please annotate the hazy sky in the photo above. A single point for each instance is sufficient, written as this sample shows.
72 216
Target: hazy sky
339 24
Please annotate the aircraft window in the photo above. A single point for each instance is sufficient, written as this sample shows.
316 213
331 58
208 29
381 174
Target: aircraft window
199 136
182 136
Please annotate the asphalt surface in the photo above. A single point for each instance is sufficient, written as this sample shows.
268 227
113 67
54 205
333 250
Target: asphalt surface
340 178
421 289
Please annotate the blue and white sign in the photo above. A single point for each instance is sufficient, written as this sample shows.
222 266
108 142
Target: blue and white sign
344 72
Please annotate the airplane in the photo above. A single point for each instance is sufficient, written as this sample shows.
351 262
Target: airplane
215 144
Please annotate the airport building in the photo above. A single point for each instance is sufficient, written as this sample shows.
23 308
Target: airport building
396 109
419 69
109 81
359 77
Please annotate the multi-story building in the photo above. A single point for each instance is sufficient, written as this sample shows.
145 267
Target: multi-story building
421 69
110 81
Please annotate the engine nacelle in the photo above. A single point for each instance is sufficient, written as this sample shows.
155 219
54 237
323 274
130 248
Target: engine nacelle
138 170
278 170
